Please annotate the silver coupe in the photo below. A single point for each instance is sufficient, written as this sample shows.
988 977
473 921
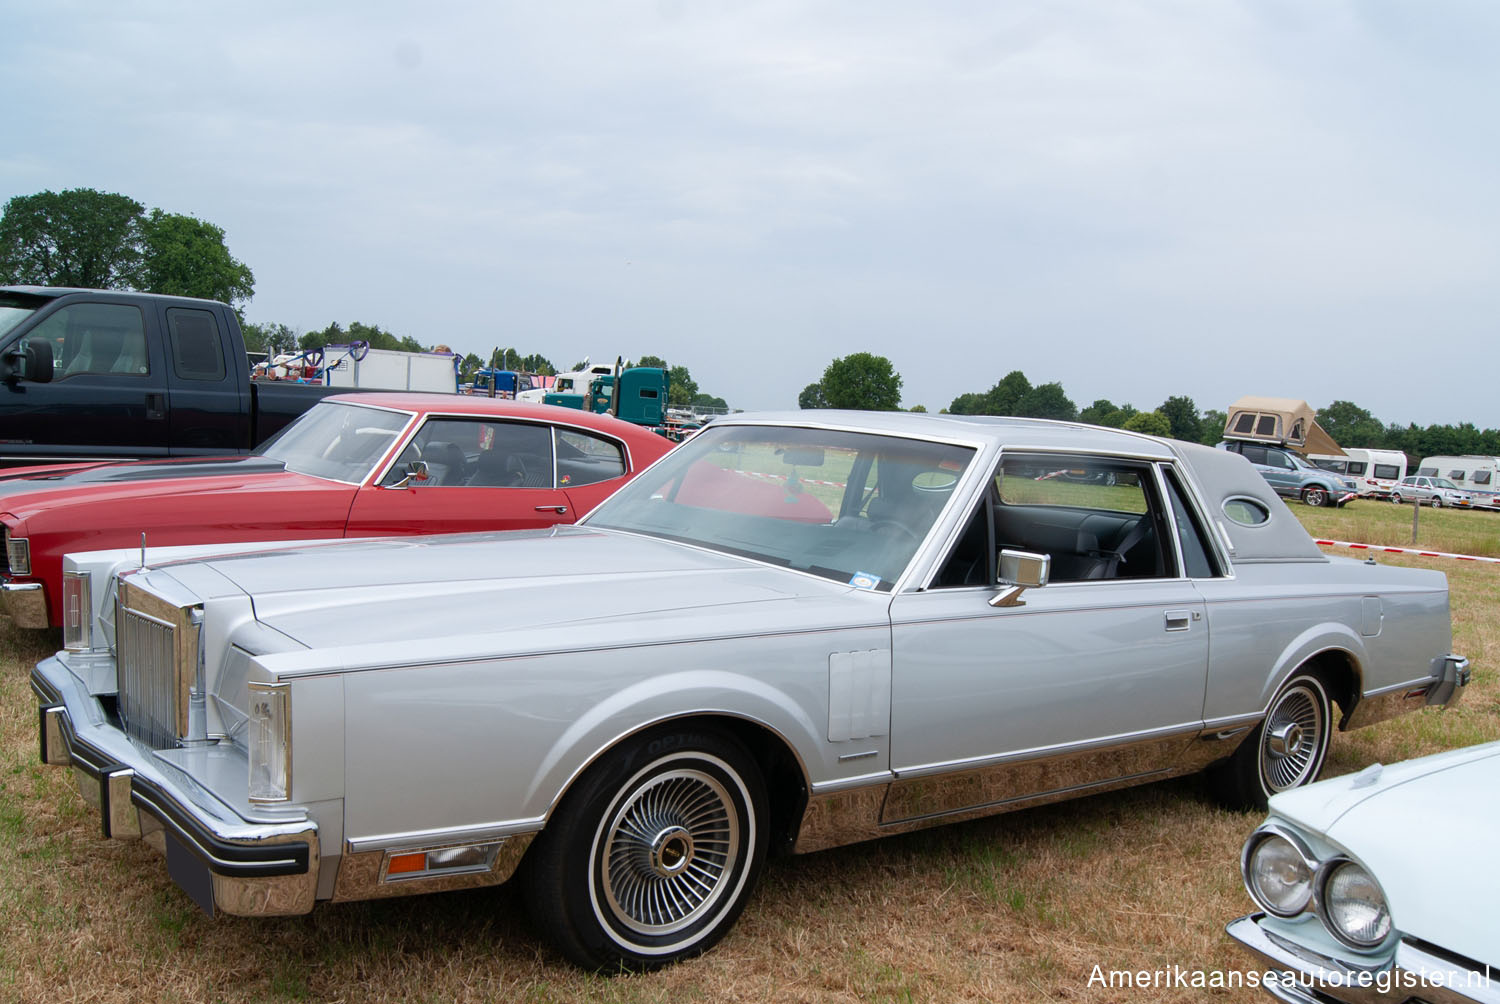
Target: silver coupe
792 632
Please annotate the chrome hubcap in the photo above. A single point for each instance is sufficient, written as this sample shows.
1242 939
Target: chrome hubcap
669 851
1293 737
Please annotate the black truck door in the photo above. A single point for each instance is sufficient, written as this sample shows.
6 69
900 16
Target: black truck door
108 395
210 381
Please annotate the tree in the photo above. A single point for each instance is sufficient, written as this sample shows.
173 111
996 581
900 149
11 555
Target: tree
1350 425
184 256
80 237
1099 412
1046 401
707 402
1211 427
862 381
1152 423
470 365
1006 396
920 409
1182 413
812 397
967 404
657 361
682 389
269 338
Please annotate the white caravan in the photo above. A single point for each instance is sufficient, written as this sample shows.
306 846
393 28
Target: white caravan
1475 474
1374 472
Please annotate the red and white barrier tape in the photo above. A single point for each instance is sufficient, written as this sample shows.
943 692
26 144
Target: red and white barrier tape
1405 550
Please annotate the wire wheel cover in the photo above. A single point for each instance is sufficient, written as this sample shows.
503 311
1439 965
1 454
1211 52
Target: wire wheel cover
670 852
1292 740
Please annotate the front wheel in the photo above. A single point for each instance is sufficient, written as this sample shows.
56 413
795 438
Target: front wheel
1285 751
1437 501
1315 496
653 854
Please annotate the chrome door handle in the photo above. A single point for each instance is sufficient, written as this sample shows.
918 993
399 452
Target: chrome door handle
1179 620
559 509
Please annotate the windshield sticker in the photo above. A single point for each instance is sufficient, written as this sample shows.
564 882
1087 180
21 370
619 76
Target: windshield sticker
864 580
486 436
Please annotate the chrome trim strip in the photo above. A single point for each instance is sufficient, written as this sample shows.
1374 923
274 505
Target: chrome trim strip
411 840
1387 703
360 873
25 603
848 783
1061 749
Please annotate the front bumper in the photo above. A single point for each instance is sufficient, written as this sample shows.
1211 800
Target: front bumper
1297 974
25 603
224 861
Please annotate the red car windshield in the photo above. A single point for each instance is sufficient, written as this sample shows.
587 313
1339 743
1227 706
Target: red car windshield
336 441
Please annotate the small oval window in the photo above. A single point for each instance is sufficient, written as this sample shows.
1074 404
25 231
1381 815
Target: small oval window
1246 512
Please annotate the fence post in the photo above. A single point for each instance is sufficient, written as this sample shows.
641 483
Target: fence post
1416 515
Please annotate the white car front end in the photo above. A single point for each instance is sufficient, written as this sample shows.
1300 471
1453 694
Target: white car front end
1350 913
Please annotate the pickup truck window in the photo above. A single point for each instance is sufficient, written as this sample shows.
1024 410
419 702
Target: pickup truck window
96 338
197 351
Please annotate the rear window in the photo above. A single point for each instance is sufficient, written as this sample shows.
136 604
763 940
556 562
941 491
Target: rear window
1389 472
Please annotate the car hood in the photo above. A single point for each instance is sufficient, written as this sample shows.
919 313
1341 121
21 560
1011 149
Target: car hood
1424 829
152 480
396 601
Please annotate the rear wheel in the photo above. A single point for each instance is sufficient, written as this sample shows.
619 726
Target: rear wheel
1315 496
1285 751
653 854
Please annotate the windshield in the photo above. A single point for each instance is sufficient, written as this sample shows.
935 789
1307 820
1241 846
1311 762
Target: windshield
1444 483
848 506
15 309
335 440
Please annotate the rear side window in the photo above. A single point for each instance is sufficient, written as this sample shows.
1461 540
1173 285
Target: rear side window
197 350
583 459
1197 563
1246 512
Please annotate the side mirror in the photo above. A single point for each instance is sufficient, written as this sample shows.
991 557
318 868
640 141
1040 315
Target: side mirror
1020 571
416 470
29 361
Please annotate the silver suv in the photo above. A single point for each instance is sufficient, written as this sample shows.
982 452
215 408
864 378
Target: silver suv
1288 474
1436 491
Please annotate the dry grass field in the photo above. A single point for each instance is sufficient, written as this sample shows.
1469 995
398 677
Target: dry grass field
1022 906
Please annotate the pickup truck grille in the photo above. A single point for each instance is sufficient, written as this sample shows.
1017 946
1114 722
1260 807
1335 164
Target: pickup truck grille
156 654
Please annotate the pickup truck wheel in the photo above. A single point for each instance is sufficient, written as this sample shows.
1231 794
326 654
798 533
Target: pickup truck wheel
653 854
1286 750
1315 496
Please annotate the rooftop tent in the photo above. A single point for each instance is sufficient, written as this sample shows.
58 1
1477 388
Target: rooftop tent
1279 420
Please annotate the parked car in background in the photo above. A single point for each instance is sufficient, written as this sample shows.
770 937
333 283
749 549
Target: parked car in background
1352 911
1291 476
1477 475
1439 492
794 631
359 466
1374 472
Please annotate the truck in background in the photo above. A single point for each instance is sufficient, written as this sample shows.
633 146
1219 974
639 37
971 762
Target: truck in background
358 366
105 375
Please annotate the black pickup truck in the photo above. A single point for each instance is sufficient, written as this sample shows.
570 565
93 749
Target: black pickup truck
90 374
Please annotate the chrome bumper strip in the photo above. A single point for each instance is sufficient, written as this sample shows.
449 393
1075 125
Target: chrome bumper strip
252 868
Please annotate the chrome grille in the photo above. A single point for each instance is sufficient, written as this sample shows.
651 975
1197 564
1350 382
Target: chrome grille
154 653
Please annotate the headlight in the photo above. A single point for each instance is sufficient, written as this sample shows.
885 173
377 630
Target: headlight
1354 907
18 554
270 742
1278 875
78 612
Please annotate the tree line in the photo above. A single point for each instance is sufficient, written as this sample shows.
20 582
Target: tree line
868 382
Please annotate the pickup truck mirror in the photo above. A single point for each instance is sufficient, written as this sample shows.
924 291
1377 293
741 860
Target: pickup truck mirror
29 360
1020 571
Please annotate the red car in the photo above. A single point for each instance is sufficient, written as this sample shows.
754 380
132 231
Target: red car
355 465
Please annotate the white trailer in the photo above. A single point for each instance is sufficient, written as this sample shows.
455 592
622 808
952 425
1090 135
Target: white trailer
359 365
1478 475
1374 472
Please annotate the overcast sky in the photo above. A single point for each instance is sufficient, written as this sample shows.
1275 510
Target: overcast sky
1136 199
